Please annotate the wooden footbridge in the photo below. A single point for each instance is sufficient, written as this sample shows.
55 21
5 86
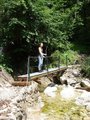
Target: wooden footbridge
26 79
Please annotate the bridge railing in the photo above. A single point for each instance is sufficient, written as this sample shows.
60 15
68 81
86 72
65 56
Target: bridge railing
49 62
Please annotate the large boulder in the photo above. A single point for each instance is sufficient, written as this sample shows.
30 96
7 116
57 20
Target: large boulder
50 91
71 75
68 92
84 99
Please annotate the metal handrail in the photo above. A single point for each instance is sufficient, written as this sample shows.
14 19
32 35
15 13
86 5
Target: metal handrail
47 63
45 57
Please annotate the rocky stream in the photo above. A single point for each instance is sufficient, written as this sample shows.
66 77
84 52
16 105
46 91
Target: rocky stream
67 100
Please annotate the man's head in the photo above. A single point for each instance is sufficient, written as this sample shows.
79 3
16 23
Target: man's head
41 44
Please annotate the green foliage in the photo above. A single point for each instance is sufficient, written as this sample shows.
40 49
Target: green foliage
61 17
30 22
3 64
21 27
86 66
83 48
26 23
69 56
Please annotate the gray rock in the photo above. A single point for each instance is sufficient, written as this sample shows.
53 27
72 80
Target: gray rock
88 107
71 75
88 114
85 83
14 109
21 116
86 118
50 91
83 99
76 72
68 92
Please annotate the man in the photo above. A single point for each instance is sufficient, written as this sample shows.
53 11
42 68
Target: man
40 56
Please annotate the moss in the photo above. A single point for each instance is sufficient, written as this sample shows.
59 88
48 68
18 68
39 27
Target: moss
41 88
58 108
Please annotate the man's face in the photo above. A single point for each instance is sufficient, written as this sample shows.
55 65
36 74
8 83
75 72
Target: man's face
41 44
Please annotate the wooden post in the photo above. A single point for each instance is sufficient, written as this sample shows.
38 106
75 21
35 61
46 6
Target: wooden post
28 69
66 61
47 62
59 62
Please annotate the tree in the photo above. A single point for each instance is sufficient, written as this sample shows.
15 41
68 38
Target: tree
29 22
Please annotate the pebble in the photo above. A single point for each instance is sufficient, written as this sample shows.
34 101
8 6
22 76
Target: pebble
15 95
86 118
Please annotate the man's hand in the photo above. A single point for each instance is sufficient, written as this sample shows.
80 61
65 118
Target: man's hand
45 54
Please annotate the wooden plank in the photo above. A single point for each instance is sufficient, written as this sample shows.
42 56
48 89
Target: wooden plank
21 83
44 73
22 79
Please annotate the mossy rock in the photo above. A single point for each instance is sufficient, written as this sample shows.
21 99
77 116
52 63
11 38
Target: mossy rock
60 109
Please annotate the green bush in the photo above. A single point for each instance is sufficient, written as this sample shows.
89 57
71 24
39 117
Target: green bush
3 64
86 66
71 56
